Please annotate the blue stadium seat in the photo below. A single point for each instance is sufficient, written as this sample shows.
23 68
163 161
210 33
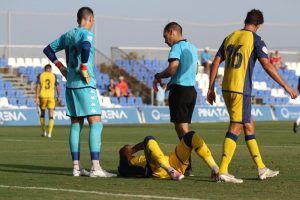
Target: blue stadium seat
118 62
12 101
2 93
32 78
138 101
10 93
123 101
3 62
39 70
21 101
19 93
2 87
114 100
30 102
8 85
130 101
30 70
22 70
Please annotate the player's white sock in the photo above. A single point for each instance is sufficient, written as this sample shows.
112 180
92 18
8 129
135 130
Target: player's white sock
95 165
298 121
76 164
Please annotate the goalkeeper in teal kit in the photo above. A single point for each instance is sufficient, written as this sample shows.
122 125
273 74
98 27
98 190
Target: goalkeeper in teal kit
81 94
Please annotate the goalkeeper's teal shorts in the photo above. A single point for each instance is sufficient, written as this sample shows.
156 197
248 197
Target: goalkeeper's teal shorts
82 102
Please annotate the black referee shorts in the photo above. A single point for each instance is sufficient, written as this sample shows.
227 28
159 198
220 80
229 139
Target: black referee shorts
182 100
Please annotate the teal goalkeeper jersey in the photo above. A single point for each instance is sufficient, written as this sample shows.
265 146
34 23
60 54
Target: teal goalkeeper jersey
71 42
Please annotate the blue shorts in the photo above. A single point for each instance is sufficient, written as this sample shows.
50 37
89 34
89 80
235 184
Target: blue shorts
82 102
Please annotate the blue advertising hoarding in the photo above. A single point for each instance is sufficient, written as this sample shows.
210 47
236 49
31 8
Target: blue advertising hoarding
109 116
204 114
220 114
156 114
127 115
151 114
287 112
29 117
19 117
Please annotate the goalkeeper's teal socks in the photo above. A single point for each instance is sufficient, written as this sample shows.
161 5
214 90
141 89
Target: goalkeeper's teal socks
95 139
74 140
94 142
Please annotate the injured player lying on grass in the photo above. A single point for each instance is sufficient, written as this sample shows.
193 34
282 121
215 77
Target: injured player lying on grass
155 164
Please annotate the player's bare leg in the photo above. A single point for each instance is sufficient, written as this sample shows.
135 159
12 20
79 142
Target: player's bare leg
96 127
263 171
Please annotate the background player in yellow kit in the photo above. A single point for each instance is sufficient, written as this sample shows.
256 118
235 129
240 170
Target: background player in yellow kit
45 97
240 50
155 163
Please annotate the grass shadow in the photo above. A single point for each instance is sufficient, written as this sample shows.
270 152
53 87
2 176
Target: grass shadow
35 169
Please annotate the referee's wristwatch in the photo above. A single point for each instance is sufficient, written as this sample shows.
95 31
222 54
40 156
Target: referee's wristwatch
156 76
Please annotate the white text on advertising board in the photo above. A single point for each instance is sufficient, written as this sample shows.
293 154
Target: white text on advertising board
222 112
60 115
12 116
114 114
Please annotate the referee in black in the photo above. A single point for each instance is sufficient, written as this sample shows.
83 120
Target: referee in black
182 70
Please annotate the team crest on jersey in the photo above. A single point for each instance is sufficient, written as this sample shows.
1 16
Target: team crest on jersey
90 38
265 50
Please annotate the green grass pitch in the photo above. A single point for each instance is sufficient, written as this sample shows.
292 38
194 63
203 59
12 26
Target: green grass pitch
41 167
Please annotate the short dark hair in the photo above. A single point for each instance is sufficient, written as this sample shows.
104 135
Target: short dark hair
47 66
83 13
254 17
173 26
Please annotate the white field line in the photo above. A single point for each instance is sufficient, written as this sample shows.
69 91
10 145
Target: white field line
123 143
95 192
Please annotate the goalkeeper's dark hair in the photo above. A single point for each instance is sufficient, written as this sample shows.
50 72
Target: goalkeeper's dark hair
173 26
254 17
84 12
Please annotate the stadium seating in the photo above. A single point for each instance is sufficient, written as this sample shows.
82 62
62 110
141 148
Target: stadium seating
263 85
143 70
31 67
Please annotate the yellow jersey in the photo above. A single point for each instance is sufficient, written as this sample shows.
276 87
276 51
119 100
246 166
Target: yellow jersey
47 81
240 51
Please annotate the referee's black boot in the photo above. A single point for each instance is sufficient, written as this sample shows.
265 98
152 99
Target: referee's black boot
188 171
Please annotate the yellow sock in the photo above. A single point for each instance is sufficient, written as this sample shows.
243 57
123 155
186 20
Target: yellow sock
228 151
42 121
183 152
203 151
254 151
51 125
156 154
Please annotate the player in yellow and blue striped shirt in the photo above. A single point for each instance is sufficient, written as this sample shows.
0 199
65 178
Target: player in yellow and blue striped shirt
153 163
46 85
240 50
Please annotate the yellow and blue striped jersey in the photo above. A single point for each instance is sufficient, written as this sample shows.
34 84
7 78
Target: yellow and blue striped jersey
47 81
240 51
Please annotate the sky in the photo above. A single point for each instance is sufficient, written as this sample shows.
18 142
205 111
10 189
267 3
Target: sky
140 23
